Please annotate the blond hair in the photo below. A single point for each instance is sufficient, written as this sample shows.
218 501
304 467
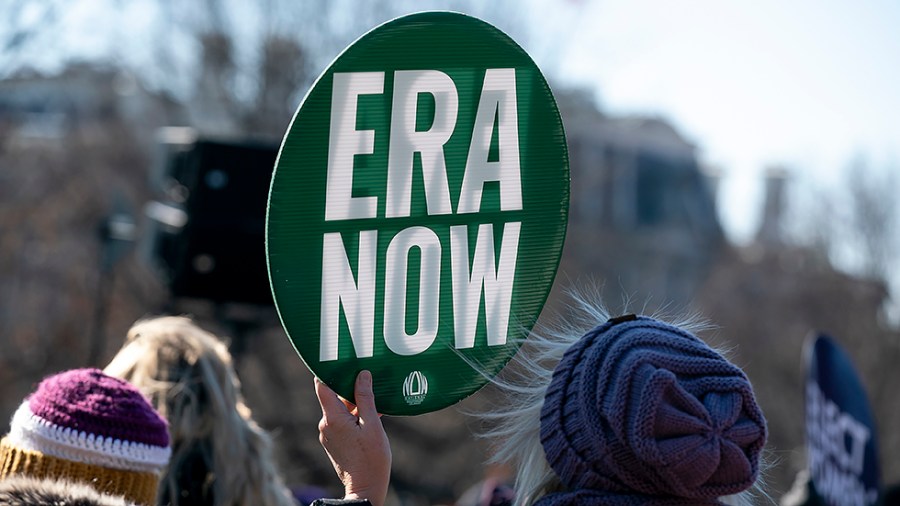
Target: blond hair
188 376
514 426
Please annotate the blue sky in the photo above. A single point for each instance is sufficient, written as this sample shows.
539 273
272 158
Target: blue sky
807 84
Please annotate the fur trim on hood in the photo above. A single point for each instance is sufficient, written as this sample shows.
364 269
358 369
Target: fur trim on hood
25 491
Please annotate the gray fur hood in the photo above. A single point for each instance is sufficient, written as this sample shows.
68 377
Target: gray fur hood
25 491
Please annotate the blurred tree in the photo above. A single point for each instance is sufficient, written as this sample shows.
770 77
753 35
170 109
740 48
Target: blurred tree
67 143
281 74
769 296
236 67
79 129
872 220
855 224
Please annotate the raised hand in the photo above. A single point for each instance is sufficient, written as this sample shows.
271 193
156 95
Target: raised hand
355 441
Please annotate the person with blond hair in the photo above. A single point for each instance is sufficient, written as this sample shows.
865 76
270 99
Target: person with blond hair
220 456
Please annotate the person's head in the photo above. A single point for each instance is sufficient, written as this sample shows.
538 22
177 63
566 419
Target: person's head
27 491
218 451
632 411
87 427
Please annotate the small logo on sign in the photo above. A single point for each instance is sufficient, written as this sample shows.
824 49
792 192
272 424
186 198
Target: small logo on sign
415 388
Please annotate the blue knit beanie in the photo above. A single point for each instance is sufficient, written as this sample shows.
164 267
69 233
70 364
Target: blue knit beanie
642 412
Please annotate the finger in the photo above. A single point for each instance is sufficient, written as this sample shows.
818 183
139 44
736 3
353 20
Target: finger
365 398
329 401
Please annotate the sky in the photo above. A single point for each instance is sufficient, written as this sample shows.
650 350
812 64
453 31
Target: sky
804 84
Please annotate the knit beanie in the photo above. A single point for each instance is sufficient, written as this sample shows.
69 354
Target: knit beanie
641 412
85 426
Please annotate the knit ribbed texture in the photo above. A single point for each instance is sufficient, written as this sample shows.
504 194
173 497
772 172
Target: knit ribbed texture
86 426
89 401
139 488
641 412
31 432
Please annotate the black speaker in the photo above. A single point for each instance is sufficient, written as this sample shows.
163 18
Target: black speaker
211 234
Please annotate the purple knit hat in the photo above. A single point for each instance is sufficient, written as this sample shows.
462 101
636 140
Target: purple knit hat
641 412
87 400
83 425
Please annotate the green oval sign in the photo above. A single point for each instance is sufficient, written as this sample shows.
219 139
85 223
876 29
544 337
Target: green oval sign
418 211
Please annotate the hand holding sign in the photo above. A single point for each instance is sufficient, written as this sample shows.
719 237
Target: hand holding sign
418 211
355 441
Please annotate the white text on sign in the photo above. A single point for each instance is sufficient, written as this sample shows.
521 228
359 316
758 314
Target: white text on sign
497 106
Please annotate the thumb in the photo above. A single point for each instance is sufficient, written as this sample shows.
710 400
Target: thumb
365 398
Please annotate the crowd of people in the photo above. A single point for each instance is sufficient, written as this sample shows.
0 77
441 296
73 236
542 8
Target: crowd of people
628 410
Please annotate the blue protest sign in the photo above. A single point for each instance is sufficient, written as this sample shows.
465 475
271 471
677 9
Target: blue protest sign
840 429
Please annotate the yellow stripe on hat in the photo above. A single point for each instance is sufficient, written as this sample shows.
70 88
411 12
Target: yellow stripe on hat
138 487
